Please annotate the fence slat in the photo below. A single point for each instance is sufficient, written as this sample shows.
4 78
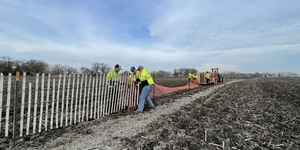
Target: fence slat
84 97
35 102
112 93
103 96
42 102
136 96
117 98
99 109
8 104
106 97
57 101
119 94
76 99
63 101
67 99
127 96
22 103
72 98
124 91
92 98
52 106
47 101
80 98
88 98
1 100
96 97
29 109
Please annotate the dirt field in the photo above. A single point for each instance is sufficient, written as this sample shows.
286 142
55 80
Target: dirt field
244 114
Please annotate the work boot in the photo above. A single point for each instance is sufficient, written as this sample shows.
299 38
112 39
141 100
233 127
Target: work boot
136 112
147 106
152 107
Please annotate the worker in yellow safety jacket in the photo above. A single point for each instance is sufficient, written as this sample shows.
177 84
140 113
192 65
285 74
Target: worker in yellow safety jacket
207 77
113 79
147 85
192 76
113 76
132 80
134 74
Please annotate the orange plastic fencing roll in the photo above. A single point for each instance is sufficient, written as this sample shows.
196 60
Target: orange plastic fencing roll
212 78
132 96
162 90
202 78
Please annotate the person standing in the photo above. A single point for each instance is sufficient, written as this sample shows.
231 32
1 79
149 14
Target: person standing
113 75
193 76
147 85
190 76
135 90
207 77
112 79
132 80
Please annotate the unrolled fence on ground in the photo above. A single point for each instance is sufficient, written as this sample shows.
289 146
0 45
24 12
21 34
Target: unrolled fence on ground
50 102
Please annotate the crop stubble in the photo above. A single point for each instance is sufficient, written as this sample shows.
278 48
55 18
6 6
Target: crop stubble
252 114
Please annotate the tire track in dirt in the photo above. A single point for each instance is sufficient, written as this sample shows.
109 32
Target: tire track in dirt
107 135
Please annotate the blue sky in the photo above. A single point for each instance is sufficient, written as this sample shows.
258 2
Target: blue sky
235 35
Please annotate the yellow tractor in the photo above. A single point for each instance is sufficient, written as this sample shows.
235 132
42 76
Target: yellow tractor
217 77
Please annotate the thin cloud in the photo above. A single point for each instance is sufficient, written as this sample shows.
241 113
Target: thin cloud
234 24
162 35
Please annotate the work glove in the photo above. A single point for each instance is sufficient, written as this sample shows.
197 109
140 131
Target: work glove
138 80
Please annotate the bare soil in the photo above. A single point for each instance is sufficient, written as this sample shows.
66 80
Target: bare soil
243 114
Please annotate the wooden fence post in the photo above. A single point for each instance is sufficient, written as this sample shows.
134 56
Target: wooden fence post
154 85
15 108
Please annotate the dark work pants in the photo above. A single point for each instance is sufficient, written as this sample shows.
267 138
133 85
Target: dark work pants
207 81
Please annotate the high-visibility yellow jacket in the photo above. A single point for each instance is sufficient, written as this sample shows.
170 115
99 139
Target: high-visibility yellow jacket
112 77
146 78
133 76
192 76
207 75
195 76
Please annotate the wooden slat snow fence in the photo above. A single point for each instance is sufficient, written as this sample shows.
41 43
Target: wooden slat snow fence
49 102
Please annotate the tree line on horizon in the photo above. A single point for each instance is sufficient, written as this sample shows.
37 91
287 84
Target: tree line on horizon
33 66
